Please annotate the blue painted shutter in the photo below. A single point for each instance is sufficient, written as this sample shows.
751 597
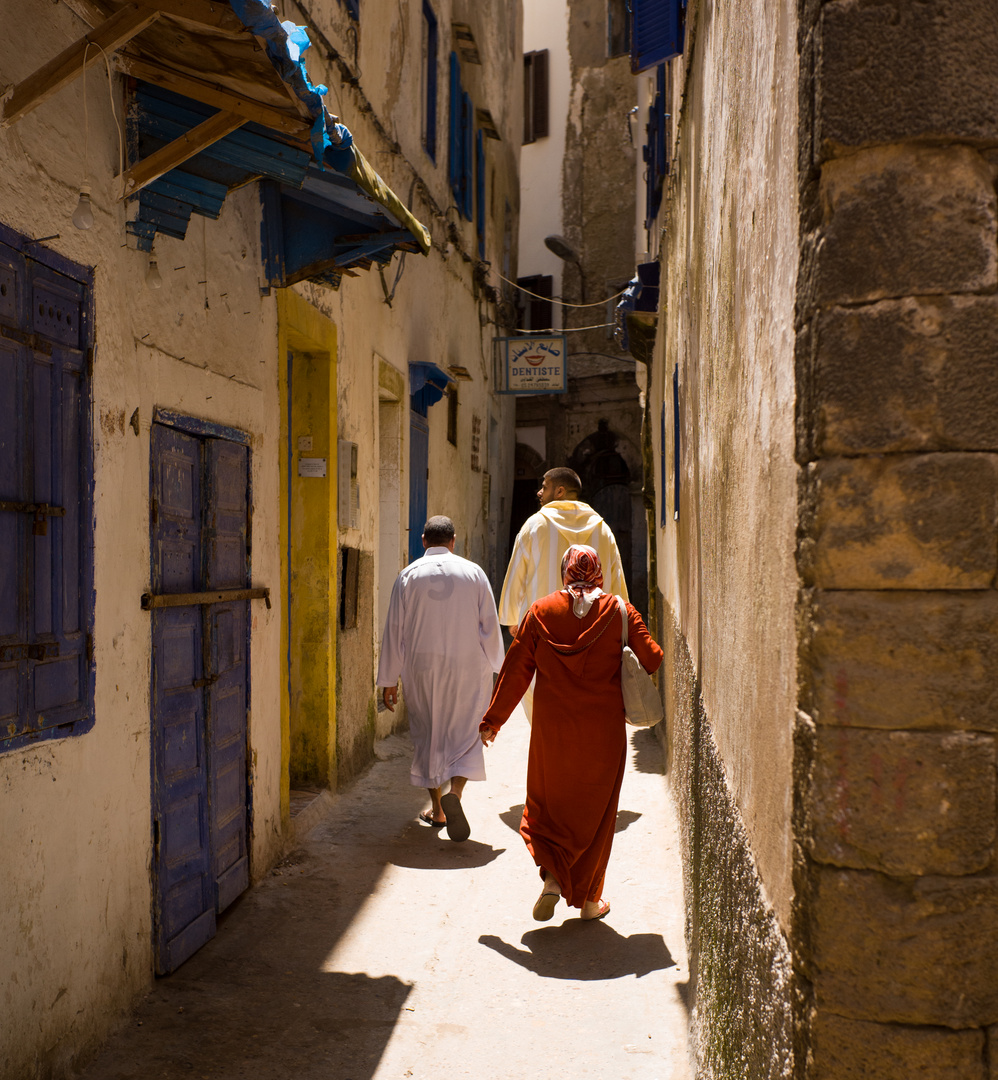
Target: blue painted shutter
432 49
419 459
467 158
13 534
480 191
454 137
658 32
675 445
654 151
663 487
45 579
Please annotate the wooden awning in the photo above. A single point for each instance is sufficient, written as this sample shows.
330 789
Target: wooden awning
243 68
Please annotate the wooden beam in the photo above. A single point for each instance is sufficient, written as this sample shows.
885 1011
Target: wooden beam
200 13
220 97
132 19
176 153
92 14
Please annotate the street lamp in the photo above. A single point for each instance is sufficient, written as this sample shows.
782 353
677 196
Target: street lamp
559 246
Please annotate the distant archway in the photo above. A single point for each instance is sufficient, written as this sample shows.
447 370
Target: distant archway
606 485
528 470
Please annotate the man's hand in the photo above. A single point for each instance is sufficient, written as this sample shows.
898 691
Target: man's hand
488 734
390 696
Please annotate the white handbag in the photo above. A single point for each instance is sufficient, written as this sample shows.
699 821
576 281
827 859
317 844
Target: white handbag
642 704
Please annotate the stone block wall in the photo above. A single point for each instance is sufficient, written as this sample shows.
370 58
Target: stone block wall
895 935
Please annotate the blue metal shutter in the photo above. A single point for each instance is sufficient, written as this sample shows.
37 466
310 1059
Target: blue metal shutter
658 32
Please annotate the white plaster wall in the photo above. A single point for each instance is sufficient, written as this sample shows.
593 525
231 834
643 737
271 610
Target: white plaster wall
728 568
75 832
545 26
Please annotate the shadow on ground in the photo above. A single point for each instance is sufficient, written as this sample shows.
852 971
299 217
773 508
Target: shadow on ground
256 1003
511 818
583 951
649 757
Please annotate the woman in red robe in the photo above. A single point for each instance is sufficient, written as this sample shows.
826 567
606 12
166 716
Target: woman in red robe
578 743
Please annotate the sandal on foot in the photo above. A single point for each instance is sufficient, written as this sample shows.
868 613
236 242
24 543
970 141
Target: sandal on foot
458 828
546 903
427 818
604 909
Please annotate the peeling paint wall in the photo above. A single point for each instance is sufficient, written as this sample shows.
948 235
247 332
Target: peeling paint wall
75 828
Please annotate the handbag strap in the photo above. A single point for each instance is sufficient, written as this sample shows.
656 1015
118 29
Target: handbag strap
623 622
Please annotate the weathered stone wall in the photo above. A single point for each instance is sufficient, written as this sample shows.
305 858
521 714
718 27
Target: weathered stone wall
725 565
739 960
896 928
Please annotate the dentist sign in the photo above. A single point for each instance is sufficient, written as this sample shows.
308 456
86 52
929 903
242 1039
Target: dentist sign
533 365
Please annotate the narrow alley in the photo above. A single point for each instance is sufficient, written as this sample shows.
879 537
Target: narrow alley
379 949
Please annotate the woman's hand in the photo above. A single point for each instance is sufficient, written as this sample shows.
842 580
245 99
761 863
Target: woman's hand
488 734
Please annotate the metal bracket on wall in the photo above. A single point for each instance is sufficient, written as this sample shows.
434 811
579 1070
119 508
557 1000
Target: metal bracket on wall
41 511
220 596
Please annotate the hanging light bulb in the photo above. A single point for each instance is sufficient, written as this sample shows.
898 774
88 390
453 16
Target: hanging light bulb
153 277
83 215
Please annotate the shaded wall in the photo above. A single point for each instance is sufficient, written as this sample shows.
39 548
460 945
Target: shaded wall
727 240
896 936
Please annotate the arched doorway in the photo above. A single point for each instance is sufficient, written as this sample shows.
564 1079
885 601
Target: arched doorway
528 470
608 488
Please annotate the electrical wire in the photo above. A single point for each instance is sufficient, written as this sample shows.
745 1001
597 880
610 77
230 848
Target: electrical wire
564 329
562 303
114 112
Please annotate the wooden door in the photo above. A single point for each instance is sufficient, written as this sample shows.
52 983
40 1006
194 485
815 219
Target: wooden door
200 688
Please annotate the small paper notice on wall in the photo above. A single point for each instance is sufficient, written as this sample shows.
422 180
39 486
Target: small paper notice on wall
312 466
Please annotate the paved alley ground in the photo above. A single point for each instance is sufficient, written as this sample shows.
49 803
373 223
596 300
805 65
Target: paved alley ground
380 950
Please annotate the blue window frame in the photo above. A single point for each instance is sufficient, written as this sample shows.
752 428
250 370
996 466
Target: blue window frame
657 32
431 40
46 516
460 162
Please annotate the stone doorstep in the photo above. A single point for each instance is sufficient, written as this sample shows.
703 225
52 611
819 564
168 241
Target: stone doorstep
308 808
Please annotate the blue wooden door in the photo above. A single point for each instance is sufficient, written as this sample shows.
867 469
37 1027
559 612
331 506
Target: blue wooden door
419 464
228 704
200 688
45 676
184 890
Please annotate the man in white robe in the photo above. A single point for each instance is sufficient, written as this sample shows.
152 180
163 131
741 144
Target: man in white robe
535 566
442 636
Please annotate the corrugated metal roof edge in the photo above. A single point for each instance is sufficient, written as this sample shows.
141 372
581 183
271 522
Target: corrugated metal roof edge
332 143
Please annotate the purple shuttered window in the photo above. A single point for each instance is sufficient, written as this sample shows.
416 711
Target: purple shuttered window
46 591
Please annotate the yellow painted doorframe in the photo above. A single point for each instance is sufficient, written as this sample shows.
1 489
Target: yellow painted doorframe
307 393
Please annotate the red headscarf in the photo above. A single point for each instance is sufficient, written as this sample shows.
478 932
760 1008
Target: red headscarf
582 573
